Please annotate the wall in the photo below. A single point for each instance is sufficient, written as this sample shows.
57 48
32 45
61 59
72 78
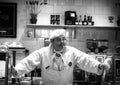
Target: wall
99 9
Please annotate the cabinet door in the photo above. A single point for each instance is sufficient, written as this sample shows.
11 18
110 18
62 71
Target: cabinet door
2 65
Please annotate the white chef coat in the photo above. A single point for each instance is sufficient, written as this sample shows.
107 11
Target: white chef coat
44 58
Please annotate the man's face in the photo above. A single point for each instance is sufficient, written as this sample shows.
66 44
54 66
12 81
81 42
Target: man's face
59 41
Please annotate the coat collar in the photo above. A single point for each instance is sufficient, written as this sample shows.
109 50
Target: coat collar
51 50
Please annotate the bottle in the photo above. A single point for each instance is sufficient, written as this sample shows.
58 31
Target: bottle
89 19
91 22
76 22
80 20
84 22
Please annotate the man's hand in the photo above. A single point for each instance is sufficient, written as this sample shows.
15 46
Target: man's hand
107 63
12 72
105 66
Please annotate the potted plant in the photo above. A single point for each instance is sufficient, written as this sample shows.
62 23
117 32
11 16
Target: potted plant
33 18
34 9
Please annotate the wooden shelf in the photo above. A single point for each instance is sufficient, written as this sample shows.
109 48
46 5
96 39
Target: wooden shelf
69 26
35 26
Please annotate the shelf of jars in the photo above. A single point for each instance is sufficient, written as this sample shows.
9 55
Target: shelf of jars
69 26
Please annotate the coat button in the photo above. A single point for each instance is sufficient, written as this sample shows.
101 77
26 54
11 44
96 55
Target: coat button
70 64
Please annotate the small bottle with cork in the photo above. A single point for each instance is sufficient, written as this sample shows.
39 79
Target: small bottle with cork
85 22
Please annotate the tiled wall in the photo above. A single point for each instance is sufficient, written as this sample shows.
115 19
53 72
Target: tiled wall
99 9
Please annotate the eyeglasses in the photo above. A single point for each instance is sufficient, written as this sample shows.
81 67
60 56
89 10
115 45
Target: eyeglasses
60 39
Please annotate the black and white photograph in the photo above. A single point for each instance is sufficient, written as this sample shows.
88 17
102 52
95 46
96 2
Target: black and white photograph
59 42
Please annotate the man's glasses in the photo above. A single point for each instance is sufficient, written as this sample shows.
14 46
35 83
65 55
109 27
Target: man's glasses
60 39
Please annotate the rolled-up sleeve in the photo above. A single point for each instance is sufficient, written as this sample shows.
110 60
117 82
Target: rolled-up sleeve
86 62
29 63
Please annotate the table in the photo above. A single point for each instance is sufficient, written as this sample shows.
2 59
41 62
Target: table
14 50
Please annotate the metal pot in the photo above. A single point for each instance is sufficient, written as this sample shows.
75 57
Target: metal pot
102 45
92 44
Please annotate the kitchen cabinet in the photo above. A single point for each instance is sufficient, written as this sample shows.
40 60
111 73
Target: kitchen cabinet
73 28
5 57
80 77
116 69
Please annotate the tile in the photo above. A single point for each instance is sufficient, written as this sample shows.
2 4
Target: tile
71 2
57 10
65 8
43 19
62 19
81 10
34 44
112 3
79 45
87 3
52 2
98 10
102 20
61 2
78 2
46 9
100 3
111 47
74 8
106 34
90 10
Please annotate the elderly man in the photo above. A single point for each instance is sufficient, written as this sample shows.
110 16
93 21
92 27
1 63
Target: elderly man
57 61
